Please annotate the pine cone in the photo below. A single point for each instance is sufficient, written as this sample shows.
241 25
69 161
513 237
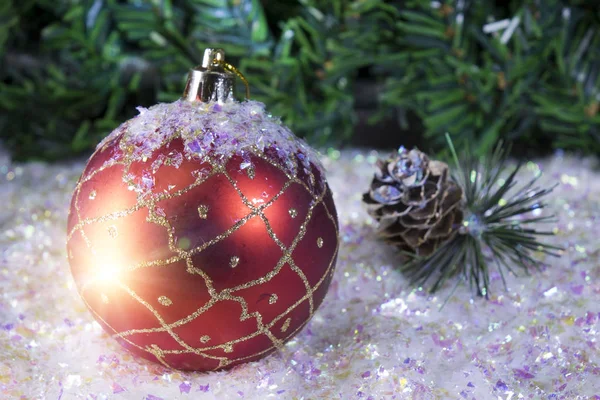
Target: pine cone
417 205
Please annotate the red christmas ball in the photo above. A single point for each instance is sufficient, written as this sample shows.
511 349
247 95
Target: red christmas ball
202 235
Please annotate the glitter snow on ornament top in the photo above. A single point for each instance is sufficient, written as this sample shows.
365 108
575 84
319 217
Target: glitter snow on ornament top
203 234
213 130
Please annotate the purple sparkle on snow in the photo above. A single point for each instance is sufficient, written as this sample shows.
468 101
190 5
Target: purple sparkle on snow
501 385
185 387
521 374
116 388
203 388
591 318
366 374
562 387
441 342
577 289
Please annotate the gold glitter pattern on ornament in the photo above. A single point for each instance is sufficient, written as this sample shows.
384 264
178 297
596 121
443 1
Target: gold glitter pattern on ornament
112 231
92 195
156 216
164 301
251 172
235 260
273 299
203 211
319 242
293 212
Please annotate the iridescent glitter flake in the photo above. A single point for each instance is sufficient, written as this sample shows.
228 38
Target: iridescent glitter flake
249 168
184 243
293 212
234 261
273 298
320 242
112 231
203 211
165 301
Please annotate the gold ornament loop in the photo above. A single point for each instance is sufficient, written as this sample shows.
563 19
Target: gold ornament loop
231 68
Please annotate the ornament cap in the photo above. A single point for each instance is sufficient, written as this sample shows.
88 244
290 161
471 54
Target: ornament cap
210 81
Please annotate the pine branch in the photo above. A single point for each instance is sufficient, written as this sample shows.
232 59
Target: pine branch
482 71
497 221
503 91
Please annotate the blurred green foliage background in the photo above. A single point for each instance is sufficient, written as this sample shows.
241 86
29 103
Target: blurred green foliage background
526 71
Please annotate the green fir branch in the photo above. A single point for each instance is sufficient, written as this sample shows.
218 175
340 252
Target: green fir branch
528 72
